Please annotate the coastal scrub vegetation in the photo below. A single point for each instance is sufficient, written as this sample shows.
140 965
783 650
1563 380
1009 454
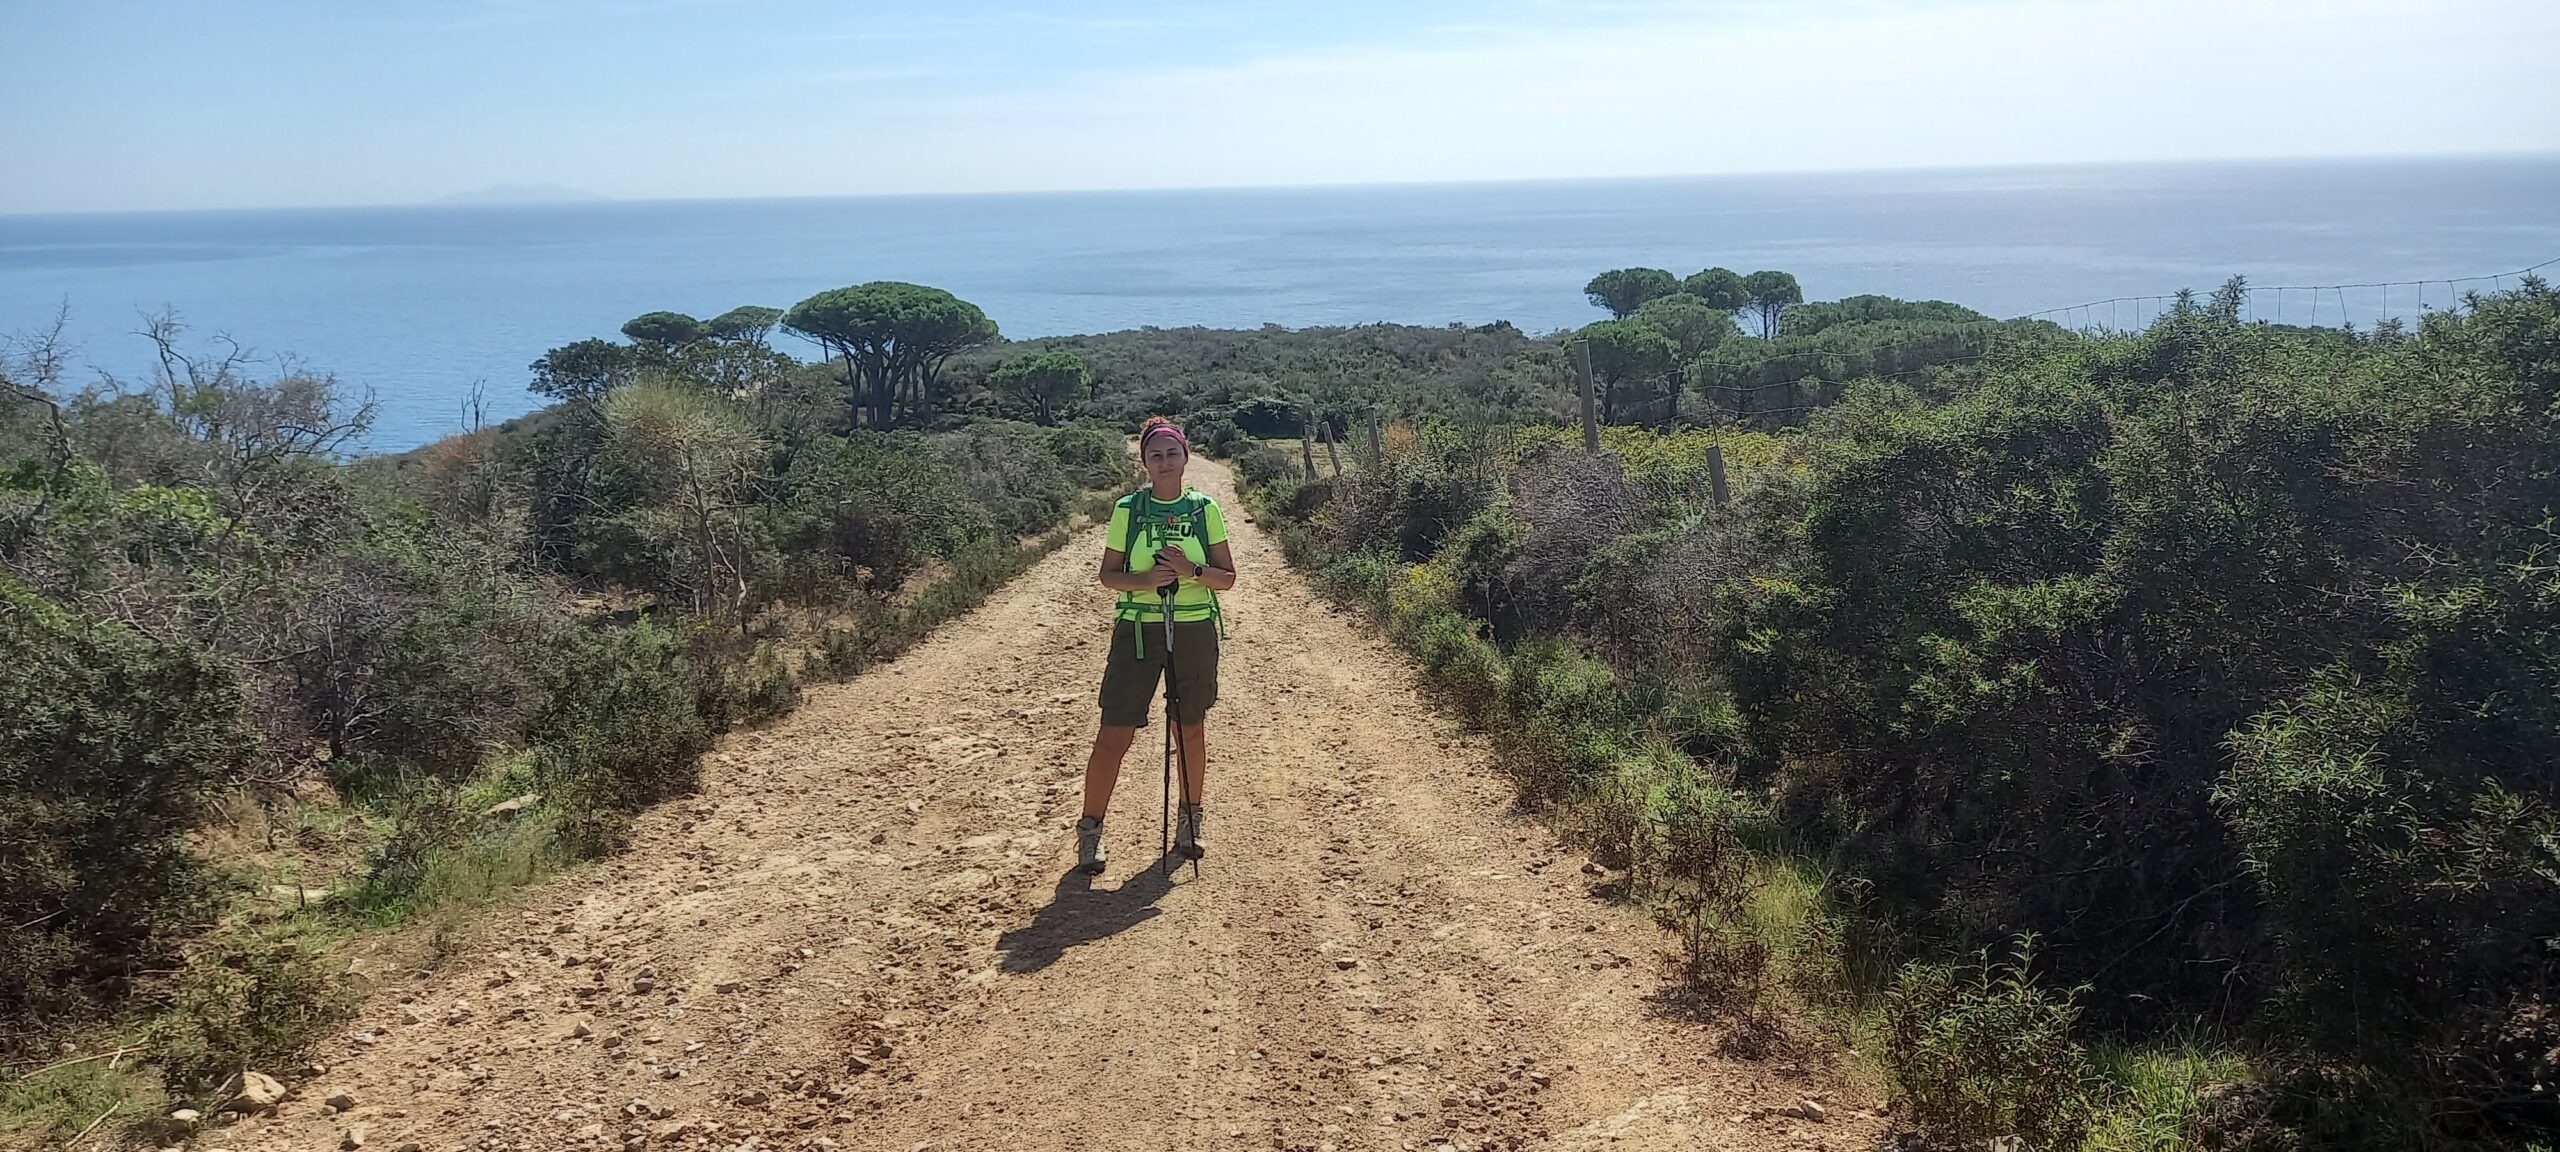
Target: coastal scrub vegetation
265 692
2138 740
2117 740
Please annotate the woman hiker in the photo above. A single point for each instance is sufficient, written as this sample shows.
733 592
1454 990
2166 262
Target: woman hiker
1162 535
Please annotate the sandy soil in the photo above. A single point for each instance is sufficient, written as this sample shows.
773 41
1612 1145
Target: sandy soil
862 934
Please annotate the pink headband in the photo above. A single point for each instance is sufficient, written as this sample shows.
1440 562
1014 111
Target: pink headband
1174 431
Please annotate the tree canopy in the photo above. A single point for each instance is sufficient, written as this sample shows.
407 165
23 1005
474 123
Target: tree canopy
1692 323
1631 359
1719 287
745 323
1770 294
582 372
1046 382
894 338
665 329
1623 290
1808 319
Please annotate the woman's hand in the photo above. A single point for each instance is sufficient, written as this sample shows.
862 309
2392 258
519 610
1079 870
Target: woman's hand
1170 558
1161 576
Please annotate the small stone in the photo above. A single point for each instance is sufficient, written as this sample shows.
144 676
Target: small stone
186 1117
1811 1110
342 1101
581 1030
1591 869
1346 963
353 1140
259 1091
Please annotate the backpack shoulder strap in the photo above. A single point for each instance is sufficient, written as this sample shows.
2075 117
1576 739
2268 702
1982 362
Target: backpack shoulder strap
1136 503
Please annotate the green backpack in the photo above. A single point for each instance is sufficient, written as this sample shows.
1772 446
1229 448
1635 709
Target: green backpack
1143 505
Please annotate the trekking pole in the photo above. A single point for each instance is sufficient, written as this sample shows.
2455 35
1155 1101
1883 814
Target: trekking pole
1177 758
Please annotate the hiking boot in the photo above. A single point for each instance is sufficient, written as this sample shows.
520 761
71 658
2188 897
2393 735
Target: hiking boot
1089 845
1186 833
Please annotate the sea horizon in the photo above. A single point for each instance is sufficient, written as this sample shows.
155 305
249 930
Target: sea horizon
453 200
418 303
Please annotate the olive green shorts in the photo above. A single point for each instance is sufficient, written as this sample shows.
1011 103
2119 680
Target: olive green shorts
1129 680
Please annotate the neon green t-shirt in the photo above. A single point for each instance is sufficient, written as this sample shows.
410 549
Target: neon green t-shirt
1191 522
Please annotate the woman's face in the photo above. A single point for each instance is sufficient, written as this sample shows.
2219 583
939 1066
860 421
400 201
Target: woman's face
1164 458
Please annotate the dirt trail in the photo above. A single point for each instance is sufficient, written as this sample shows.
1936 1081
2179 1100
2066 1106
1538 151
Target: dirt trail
857 936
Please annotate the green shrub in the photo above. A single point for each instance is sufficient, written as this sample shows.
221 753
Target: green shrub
976 571
1301 502
427 821
1703 879
882 630
619 730
252 1006
846 652
1260 464
108 743
742 679
877 505
1412 499
402 668
1565 721
1979 1052
771 691
1215 433
2415 898
1093 458
1360 579
1008 470
1463 667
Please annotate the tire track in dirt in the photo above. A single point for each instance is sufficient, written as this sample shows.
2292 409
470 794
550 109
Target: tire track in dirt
862 934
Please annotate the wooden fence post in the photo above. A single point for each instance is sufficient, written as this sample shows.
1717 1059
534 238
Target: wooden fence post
1590 417
1715 471
1307 439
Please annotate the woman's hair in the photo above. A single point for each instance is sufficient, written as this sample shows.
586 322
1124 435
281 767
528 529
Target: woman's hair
1161 426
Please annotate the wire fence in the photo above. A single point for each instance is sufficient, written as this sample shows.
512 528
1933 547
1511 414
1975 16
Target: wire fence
2307 305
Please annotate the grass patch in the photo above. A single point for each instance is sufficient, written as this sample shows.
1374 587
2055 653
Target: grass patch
53 1106
2155 1094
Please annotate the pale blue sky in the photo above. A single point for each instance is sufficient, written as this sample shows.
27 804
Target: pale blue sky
200 103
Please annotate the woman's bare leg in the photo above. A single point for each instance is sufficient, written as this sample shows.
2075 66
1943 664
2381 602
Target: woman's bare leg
1195 759
1102 769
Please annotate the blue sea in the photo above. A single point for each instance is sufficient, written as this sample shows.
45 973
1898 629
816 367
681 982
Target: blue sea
416 304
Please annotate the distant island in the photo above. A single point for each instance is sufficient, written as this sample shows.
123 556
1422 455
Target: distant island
524 194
